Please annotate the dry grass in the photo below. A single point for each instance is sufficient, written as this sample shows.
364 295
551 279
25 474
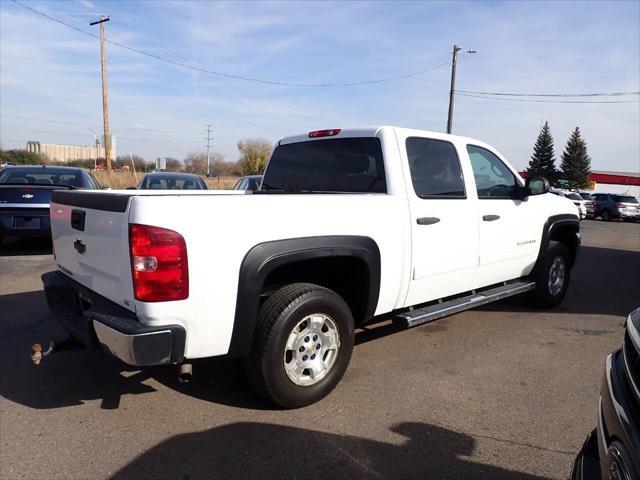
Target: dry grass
116 180
221 183
120 180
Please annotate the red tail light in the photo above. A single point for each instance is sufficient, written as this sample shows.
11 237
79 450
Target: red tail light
324 133
158 264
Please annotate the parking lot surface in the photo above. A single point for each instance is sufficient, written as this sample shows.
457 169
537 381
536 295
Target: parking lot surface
504 391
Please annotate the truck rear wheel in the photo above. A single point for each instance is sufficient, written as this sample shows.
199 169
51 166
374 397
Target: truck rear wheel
302 345
552 276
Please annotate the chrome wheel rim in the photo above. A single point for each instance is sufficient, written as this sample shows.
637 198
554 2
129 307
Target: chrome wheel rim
556 275
311 349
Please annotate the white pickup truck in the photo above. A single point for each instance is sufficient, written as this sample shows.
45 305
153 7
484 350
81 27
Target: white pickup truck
349 226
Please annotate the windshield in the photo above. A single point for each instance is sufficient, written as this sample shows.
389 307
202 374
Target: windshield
171 182
624 199
573 196
45 176
348 165
586 196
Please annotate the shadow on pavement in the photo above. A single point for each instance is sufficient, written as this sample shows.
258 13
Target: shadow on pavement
70 378
605 281
256 450
11 247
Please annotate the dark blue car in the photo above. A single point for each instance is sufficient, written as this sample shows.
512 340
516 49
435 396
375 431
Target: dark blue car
25 194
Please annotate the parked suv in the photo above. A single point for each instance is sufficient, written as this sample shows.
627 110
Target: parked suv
612 205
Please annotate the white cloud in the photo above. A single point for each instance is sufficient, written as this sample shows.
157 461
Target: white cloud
563 47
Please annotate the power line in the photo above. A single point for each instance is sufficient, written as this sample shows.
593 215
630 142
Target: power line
230 75
239 94
125 137
136 33
118 126
543 101
605 94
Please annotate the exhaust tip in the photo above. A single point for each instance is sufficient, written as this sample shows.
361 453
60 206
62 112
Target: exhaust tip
186 373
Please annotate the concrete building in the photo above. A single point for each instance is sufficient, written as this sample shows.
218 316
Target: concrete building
68 153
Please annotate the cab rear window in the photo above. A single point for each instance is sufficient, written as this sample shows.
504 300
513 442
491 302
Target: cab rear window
348 165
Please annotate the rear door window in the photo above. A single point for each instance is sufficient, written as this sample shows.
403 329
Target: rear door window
435 168
348 165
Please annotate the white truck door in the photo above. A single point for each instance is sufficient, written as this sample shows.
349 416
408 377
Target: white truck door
509 228
444 220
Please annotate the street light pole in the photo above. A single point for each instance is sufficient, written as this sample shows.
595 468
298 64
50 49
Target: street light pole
454 61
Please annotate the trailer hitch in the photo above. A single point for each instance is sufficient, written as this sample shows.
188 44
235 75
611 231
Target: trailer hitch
67 344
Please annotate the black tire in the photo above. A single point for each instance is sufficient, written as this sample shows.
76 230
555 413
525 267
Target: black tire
545 294
278 316
606 216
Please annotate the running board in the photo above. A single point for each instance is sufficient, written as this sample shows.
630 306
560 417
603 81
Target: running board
443 309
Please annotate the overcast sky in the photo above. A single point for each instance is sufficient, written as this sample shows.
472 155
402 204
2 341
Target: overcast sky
50 74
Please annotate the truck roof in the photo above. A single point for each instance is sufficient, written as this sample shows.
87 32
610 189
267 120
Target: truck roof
373 130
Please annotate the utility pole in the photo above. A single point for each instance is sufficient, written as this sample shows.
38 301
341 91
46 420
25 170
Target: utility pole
209 140
105 102
95 144
454 61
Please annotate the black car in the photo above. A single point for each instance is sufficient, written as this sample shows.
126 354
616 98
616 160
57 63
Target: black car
612 450
250 182
171 181
25 194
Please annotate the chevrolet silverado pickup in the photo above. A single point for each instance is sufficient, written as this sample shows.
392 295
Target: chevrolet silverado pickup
348 227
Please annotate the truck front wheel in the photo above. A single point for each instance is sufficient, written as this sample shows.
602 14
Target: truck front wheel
552 276
302 345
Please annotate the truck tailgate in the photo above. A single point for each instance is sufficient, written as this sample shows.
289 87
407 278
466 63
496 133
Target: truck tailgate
91 242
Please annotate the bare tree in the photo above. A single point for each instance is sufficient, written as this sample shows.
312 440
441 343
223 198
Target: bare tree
254 155
174 165
196 162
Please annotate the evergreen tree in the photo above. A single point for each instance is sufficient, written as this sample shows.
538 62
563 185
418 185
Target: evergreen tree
543 161
576 163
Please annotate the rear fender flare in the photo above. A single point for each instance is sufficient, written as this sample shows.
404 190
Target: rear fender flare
264 258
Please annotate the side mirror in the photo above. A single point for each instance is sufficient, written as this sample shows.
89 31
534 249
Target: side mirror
131 188
536 186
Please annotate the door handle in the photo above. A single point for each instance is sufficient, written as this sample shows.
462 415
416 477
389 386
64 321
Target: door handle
427 220
490 218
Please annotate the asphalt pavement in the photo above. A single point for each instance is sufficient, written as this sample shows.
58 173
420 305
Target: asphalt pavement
503 391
